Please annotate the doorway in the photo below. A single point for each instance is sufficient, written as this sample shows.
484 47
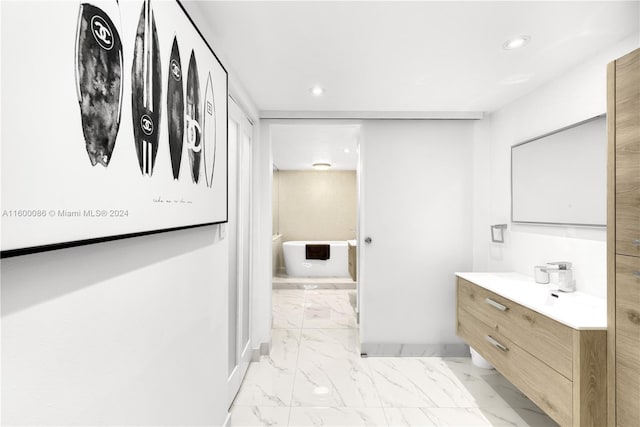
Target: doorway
315 203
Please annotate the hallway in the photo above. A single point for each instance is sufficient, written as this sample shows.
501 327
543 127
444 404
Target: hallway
315 376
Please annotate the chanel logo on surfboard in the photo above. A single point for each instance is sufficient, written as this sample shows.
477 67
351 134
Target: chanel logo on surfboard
175 70
101 32
146 124
193 129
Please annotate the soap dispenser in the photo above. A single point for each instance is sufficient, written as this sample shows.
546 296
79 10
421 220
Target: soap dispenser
565 275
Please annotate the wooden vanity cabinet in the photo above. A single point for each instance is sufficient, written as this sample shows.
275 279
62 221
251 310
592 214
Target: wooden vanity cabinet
561 369
623 240
546 339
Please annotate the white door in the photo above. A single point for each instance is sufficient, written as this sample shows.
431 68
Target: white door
239 230
415 231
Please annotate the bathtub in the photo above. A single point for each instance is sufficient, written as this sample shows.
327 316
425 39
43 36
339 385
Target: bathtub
297 265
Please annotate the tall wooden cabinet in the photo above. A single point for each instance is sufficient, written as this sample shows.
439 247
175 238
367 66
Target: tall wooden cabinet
623 240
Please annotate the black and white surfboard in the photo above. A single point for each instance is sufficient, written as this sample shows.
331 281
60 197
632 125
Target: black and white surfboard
99 78
175 109
209 132
193 118
146 79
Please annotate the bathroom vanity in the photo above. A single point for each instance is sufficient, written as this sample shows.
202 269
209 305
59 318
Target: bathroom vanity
551 345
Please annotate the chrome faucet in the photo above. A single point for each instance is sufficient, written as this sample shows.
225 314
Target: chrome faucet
565 275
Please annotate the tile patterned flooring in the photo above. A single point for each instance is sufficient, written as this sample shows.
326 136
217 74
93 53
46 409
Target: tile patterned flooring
315 376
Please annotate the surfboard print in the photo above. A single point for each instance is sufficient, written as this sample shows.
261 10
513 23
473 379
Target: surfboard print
175 109
209 131
146 91
98 72
193 118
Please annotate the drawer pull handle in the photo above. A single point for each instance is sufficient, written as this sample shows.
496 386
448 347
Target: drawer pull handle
635 242
495 304
496 344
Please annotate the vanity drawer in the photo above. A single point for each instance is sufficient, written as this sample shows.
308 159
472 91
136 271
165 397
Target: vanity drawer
627 340
548 340
542 384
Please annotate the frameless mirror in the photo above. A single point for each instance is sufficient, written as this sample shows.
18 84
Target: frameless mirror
561 177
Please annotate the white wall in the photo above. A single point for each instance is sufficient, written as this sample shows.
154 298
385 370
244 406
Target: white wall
129 332
574 96
416 205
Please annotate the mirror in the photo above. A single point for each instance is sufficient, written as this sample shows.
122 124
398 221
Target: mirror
561 177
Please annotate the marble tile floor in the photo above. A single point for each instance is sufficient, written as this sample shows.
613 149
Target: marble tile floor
315 376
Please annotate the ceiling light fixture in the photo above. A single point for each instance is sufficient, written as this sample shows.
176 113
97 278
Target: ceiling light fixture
321 166
346 150
515 79
321 390
516 42
317 91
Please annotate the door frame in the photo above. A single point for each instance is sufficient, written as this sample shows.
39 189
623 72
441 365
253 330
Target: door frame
243 350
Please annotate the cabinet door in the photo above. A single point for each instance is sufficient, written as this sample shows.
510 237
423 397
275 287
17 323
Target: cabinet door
627 340
627 137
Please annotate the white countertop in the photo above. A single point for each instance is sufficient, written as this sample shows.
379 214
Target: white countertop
576 309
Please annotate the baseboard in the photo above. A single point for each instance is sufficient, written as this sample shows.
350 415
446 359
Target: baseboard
227 421
262 350
265 348
414 350
255 354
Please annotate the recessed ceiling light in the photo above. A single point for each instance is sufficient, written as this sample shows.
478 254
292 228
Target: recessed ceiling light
515 79
516 42
424 80
321 166
321 390
317 91
346 150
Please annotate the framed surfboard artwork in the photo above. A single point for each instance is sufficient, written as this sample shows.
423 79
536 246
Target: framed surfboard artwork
114 124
